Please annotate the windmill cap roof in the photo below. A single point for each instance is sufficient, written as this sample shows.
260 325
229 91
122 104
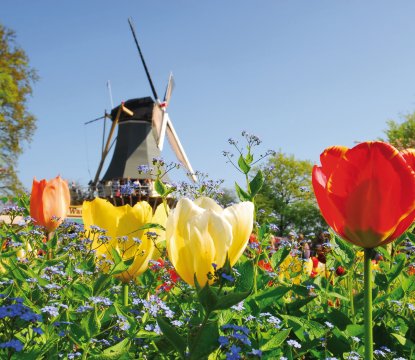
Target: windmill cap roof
141 107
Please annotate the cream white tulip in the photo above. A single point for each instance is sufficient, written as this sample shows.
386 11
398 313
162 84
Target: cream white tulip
201 233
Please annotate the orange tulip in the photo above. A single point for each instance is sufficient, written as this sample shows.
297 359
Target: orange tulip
49 202
366 193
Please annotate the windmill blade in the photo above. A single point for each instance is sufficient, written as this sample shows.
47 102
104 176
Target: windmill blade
98 118
161 117
178 148
163 128
169 90
130 22
158 115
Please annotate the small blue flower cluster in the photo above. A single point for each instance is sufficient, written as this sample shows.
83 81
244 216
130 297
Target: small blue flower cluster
18 310
237 342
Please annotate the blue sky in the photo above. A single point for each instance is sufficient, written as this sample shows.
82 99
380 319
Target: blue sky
302 75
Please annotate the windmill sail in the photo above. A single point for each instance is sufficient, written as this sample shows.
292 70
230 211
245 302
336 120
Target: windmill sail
178 148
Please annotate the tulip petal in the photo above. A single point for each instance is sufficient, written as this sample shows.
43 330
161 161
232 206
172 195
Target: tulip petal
241 217
36 203
220 231
409 156
129 224
176 230
201 245
330 158
208 203
56 200
159 217
329 211
401 228
102 213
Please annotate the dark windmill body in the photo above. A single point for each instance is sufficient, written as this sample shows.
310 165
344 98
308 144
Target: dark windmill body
143 124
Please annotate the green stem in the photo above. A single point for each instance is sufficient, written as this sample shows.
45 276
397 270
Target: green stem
368 304
197 336
351 297
51 250
125 294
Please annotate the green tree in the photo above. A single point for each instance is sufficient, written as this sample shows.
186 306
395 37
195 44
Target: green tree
402 135
227 196
17 125
286 198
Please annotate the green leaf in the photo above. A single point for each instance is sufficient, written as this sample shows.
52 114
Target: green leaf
355 330
256 183
172 336
242 195
263 231
152 226
385 253
82 289
249 157
8 254
345 251
339 319
115 352
207 297
51 244
395 294
245 281
381 280
279 256
396 268
205 341
228 300
122 266
270 296
243 165
101 283
160 188
402 238
299 303
93 323
116 255
276 341
403 340
314 328
408 284
15 270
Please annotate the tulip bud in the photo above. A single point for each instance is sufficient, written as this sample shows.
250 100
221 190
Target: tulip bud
322 258
340 270
49 202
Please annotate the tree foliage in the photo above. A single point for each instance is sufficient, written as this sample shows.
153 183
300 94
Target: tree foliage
17 125
402 135
286 197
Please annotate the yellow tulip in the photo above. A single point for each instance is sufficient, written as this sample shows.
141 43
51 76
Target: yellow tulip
201 233
291 269
121 225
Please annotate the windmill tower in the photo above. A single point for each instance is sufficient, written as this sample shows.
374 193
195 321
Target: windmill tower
143 124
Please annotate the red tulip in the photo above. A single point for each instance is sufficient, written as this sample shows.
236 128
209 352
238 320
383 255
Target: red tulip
49 202
366 193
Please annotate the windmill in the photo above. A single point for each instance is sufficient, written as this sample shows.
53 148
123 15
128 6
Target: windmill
143 124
